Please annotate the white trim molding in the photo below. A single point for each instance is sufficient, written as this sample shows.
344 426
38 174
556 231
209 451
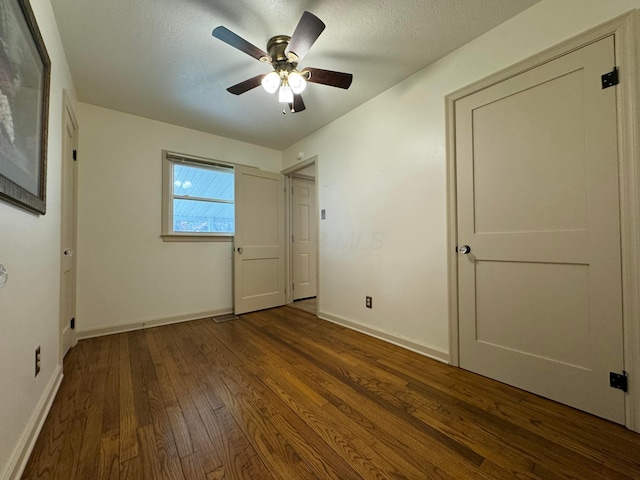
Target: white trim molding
426 350
627 48
301 166
289 174
18 460
129 327
624 29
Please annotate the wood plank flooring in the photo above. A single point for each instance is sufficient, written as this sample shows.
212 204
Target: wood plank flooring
280 394
308 305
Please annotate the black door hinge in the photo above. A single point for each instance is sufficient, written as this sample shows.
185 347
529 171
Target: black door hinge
75 155
73 323
619 380
610 79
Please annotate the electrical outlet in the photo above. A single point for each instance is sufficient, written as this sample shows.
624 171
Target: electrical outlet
368 302
37 361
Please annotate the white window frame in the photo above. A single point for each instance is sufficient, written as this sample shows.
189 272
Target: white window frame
168 235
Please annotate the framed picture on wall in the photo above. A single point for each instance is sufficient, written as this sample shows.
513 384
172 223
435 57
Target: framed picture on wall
24 106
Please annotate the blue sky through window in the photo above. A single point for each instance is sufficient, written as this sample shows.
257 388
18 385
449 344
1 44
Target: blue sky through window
208 211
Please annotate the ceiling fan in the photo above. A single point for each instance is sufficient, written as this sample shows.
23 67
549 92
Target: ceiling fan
284 54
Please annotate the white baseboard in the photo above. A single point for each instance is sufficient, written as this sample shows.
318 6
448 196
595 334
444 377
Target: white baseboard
128 327
426 350
21 454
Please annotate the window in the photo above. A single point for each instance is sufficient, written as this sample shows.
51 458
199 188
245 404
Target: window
198 196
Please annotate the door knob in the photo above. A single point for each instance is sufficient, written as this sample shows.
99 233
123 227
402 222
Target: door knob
240 250
466 249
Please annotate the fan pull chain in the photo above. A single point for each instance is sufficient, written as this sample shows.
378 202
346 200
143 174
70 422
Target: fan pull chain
284 109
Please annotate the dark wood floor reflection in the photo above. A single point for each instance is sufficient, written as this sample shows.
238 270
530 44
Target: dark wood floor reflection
280 394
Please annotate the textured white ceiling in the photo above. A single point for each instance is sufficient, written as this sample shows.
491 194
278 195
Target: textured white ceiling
157 58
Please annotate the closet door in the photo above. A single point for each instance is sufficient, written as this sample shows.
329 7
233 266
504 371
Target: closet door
539 267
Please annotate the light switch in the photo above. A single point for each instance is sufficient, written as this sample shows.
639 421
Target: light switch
323 214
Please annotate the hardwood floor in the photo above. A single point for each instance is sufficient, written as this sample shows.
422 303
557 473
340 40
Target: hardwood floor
308 305
280 394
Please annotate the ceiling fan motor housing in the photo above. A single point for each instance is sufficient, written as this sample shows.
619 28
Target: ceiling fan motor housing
276 48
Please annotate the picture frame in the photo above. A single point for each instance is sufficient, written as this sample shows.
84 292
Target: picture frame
25 70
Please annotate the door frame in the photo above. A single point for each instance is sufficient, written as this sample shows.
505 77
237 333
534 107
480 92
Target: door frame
624 29
299 181
289 173
67 112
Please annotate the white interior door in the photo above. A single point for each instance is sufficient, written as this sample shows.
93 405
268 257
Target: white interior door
304 247
259 240
540 302
68 236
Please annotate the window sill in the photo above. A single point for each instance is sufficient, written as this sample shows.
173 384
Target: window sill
176 237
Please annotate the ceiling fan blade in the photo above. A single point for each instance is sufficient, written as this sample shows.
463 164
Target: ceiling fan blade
297 105
227 36
329 77
246 85
306 33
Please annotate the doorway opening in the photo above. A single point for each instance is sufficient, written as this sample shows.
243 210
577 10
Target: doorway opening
302 236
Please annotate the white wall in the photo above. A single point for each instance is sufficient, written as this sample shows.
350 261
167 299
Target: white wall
126 273
382 180
29 302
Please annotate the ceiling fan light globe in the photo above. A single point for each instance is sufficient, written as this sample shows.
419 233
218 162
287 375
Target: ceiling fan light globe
297 82
271 82
285 95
